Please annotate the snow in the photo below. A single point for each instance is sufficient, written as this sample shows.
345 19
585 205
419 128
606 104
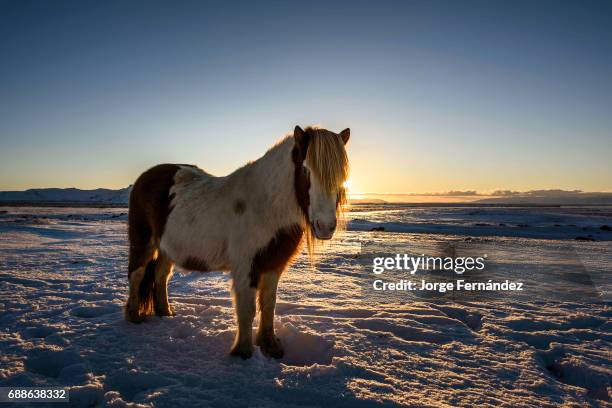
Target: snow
63 284
527 222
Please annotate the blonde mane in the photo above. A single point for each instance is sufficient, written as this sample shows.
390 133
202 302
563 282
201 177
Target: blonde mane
327 159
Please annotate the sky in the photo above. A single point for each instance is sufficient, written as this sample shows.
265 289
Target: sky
439 96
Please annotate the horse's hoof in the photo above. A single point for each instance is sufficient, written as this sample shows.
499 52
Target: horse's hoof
273 352
271 347
165 311
243 351
134 316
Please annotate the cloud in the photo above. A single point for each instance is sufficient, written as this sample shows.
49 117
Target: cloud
451 193
455 193
500 196
539 193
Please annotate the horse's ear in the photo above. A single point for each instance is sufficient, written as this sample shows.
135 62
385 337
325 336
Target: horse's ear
345 135
297 131
301 139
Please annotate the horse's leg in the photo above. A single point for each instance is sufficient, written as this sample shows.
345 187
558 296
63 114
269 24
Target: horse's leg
244 303
266 339
163 272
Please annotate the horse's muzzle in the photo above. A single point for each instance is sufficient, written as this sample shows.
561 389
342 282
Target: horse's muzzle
323 231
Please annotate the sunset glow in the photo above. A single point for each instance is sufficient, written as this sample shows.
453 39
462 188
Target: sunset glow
433 105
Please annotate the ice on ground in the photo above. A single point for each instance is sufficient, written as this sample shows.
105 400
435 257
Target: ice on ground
586 223
63 284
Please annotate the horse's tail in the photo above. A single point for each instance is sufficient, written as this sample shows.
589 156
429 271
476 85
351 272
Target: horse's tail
146 289
141 262
150 205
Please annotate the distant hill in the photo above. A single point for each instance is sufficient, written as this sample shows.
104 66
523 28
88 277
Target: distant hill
73 195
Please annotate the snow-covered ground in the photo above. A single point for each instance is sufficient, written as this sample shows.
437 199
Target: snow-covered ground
63 283
589 223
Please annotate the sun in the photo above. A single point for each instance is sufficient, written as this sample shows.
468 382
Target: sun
348 185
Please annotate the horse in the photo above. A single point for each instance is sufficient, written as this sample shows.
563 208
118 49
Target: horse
250 223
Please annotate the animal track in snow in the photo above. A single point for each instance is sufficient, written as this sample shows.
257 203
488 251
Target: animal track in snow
571 370
93 311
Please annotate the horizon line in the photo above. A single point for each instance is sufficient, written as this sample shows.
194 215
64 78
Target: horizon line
450 193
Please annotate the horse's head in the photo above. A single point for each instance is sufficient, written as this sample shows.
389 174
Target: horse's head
321 171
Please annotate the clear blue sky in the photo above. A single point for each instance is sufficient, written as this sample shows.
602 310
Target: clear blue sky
439 95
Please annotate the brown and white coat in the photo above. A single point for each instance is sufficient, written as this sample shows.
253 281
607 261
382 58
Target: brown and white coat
250 223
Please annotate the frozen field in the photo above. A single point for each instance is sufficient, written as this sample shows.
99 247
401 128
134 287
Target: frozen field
63 281
527 222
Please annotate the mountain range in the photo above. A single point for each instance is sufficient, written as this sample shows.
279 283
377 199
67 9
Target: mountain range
72 195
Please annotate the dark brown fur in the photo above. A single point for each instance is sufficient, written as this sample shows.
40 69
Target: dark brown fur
239 207
195 264
301 176
150 205
277 254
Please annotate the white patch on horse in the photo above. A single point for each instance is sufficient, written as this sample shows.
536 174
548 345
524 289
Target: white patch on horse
203 222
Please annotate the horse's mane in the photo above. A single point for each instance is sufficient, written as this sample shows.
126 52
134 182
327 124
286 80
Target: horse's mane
327 159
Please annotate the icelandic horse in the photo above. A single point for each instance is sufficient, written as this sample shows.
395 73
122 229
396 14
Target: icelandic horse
250 222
